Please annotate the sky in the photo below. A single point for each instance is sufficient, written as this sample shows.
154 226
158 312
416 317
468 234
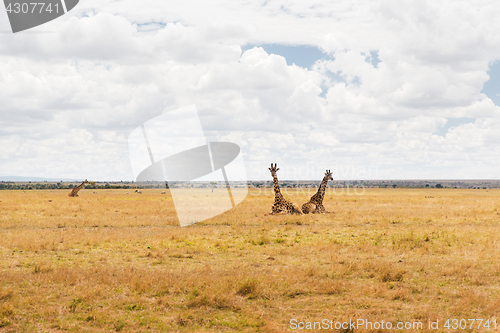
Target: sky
383 89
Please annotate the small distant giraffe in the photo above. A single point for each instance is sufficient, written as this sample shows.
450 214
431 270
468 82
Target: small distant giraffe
74 192
281 206
315 205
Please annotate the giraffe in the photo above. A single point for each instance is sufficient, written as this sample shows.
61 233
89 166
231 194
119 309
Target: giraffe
74 192
281 206
315 205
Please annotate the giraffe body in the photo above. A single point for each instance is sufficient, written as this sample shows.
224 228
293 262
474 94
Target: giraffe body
281 205
74 192
315 204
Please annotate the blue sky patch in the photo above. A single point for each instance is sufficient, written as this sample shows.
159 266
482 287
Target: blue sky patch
336 77
301 55
492 87
150 26
454 122
372 58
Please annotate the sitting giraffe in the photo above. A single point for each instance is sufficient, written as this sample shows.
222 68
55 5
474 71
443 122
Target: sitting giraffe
281 206
315 205
74 192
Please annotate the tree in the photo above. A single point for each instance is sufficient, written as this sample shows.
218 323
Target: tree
439 186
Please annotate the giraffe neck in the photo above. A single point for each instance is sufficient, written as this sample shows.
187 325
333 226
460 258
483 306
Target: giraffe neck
78 188
322 187
277 191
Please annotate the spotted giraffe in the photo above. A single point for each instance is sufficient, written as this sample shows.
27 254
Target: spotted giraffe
315 205
74 192
281 206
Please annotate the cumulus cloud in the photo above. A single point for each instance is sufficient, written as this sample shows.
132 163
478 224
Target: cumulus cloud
75 94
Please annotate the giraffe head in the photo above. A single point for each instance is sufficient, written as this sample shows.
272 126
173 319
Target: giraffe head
86 181
274 168
328 175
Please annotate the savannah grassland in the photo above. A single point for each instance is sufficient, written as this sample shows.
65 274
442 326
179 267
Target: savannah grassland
114 261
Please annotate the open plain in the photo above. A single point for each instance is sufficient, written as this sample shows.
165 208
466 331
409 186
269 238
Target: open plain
113 261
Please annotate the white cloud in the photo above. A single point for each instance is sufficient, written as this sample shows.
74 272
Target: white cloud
75 94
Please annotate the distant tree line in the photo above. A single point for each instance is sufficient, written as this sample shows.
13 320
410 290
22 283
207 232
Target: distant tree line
59 186
383 184
10 185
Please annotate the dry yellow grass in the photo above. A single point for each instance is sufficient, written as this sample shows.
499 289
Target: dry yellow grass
114 261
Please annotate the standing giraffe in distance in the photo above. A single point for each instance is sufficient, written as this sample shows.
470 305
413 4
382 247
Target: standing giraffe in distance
315 205
281 206
74 192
